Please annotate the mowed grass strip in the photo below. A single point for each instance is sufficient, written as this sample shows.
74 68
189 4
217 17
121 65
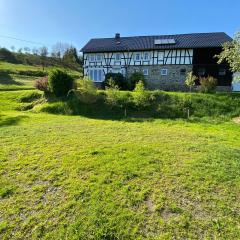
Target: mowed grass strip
70 177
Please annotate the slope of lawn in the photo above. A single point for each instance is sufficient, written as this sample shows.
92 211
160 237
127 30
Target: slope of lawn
19 76
71 177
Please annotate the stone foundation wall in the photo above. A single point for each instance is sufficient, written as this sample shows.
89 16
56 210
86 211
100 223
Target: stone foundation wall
173 81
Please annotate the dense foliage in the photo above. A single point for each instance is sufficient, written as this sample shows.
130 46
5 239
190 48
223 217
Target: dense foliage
135 78
231 53
208 84
60 82
116 79
6 55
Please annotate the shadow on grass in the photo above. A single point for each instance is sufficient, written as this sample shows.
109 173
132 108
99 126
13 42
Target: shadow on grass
10 121
7 79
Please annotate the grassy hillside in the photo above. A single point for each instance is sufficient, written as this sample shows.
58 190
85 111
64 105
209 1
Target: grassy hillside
72 177
19 76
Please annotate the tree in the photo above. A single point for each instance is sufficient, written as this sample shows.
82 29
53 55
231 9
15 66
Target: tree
13 48
59 49
135 78
117 79
35 51
231 53
43 53
70 56
7 55
190 80
26 49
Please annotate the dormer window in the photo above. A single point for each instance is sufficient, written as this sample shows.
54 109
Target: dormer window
137 57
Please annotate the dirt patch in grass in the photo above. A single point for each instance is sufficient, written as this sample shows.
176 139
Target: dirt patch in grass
237 120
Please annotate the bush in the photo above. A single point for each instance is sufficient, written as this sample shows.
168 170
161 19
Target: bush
60 83
118 99
141 97
208 84
87 92
42 84
135 78
118 80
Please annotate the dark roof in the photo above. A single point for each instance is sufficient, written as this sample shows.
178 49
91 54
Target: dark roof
193 40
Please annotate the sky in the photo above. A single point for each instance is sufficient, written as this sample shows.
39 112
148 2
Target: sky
46 22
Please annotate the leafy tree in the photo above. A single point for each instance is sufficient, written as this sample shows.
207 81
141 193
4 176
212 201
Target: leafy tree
70 56
231 53
141 97
190 80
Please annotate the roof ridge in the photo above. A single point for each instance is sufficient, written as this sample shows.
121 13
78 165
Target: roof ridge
161 35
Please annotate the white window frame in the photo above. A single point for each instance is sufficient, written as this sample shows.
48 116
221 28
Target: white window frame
135 56
92 58
164 72
96 72
99 57
148 56
119 55
145 72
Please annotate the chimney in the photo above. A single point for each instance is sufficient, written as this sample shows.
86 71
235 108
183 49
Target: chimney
117 38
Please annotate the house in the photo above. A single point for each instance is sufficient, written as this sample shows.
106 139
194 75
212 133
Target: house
164 60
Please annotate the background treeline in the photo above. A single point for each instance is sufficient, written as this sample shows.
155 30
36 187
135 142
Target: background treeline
61 55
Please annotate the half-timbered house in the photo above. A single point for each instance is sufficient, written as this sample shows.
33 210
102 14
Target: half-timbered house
164 60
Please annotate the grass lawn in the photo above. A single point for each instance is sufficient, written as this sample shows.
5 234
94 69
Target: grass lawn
71 177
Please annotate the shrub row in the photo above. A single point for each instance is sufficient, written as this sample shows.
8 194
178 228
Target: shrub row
141 103
25 73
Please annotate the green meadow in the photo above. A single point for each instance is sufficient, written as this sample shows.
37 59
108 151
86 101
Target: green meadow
22 77
85 177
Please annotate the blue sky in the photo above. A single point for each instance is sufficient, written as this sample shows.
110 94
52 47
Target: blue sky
76 21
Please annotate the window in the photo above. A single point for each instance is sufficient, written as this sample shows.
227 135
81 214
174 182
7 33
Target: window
222 72
145 72
118 57
146 56
164 72
92 58
99 57
137 56
201 71
96 75
116 70
183 72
